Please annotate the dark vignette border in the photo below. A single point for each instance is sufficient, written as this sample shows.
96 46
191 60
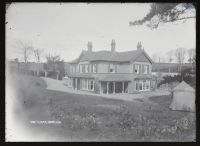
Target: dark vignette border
2 71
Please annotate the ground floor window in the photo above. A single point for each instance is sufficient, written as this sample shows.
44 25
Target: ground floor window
142 85
113 87
87 84
90 84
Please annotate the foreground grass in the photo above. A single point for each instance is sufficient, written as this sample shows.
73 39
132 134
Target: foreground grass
92 118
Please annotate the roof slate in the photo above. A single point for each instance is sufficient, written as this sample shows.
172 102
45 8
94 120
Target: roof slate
108 56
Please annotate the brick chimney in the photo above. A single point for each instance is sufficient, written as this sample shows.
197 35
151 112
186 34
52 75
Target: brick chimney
139 46
113 46
89 45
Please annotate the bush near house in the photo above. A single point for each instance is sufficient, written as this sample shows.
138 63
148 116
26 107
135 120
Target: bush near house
186 75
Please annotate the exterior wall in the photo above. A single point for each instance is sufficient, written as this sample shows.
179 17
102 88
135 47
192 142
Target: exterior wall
102 67
123 68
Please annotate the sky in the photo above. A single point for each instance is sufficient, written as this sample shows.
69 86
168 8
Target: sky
65 29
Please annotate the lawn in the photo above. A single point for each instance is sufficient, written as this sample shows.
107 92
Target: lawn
92 118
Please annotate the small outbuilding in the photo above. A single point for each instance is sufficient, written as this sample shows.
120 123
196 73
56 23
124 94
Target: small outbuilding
183 98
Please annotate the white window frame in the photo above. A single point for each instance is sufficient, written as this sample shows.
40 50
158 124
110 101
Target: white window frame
147 83
86 68
140 83
94 68
91 83
86 84
137 66
150 69
144 84
110 67
90 68
80 68
137 84
145 67
83 68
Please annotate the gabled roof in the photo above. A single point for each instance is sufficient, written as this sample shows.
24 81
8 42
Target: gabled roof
110 56
183 86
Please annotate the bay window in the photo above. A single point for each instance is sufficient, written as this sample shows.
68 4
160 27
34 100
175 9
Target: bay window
87 84
142 85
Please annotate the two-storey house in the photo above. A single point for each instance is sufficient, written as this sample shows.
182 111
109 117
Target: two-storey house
110 72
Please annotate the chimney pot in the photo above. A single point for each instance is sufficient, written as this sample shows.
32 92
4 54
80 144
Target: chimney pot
139 46
89 46
113 46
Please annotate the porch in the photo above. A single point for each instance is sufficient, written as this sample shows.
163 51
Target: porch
112 87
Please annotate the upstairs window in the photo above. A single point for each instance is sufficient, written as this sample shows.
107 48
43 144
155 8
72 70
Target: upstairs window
86 68
91 67
83 68
150 69
112 68
94 68
80 68
136 69
145 69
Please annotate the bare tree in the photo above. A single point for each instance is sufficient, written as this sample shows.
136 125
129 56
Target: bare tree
37 54
166 12
55 64
191 55
163 60
26 49
170 55
155 57
180 56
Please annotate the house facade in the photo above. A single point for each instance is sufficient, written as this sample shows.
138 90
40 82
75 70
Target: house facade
110 72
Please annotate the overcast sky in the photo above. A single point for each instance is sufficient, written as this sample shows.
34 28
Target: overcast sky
65 29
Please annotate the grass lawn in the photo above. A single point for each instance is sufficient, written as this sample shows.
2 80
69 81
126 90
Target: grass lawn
91 118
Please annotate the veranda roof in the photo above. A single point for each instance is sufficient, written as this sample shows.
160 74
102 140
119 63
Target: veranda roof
114 77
